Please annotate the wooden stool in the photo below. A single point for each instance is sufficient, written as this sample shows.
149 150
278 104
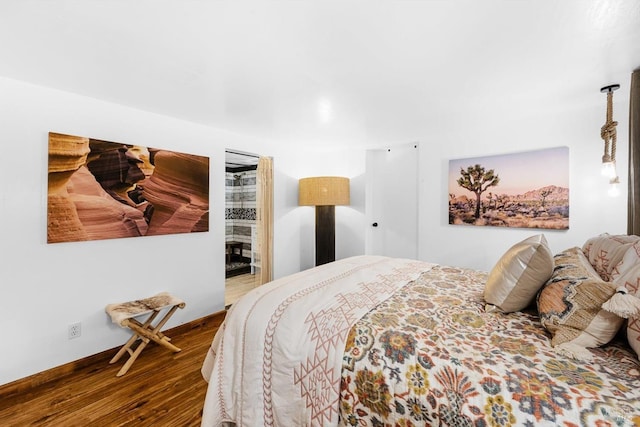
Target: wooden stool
123 314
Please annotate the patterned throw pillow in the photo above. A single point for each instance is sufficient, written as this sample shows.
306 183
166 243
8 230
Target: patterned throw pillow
570 304
627 273
606 251
519 274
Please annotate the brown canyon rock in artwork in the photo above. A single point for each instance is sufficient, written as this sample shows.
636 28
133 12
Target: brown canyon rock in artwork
105 190
179 193
66 155
101 215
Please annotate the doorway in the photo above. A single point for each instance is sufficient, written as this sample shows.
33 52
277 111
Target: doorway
240 223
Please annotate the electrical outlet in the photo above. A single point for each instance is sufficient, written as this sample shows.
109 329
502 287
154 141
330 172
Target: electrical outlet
75 330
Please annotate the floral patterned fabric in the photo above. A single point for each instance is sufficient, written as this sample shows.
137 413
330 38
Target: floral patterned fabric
431 355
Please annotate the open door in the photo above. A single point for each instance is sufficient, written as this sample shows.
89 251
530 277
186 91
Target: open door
264 221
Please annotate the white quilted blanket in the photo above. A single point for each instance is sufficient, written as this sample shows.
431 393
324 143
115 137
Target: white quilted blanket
277 358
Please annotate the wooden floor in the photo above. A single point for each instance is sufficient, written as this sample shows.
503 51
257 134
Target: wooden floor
237 286
161 389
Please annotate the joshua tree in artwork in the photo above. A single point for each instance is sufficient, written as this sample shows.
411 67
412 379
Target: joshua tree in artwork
490 198
476 179
544 194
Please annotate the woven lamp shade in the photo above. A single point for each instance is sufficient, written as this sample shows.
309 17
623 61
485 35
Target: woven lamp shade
323 191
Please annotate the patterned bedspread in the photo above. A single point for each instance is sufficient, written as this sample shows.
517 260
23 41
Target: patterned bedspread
431 355
277 358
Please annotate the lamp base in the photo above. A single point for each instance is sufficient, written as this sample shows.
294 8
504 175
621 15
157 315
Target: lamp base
325 234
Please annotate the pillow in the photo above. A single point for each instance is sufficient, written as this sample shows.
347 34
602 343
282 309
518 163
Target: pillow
627 274
518 275
570 306
606 251
633 334
630 261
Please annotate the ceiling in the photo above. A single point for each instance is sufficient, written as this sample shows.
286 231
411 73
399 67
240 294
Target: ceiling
235 159
328 72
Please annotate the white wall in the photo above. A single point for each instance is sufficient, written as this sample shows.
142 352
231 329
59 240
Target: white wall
295 225
592 211
46 287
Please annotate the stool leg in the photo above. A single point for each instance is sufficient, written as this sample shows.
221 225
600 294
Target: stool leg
160 335
133 358
153 334
124 348
133 338
146 332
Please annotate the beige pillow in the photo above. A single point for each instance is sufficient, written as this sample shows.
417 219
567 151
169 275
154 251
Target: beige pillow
627 273
518 275
570 304
622 271
606 251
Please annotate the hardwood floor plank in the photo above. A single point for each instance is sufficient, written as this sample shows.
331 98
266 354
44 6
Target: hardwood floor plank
237 286
161 388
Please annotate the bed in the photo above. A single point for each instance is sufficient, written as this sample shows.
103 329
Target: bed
377 341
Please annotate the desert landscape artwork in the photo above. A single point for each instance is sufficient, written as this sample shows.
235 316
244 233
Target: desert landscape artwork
107 190
522 190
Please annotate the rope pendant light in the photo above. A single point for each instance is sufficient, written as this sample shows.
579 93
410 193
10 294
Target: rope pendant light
609 135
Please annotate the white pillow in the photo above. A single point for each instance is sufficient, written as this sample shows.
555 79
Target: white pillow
518 275
627 273
606 251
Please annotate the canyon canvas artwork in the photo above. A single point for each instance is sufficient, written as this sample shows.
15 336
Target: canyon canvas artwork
107 190
522 190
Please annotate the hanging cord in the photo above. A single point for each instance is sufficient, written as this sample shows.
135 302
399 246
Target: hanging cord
608 130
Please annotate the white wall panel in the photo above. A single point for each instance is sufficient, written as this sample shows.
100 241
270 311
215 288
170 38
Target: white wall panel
46 287
592 211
